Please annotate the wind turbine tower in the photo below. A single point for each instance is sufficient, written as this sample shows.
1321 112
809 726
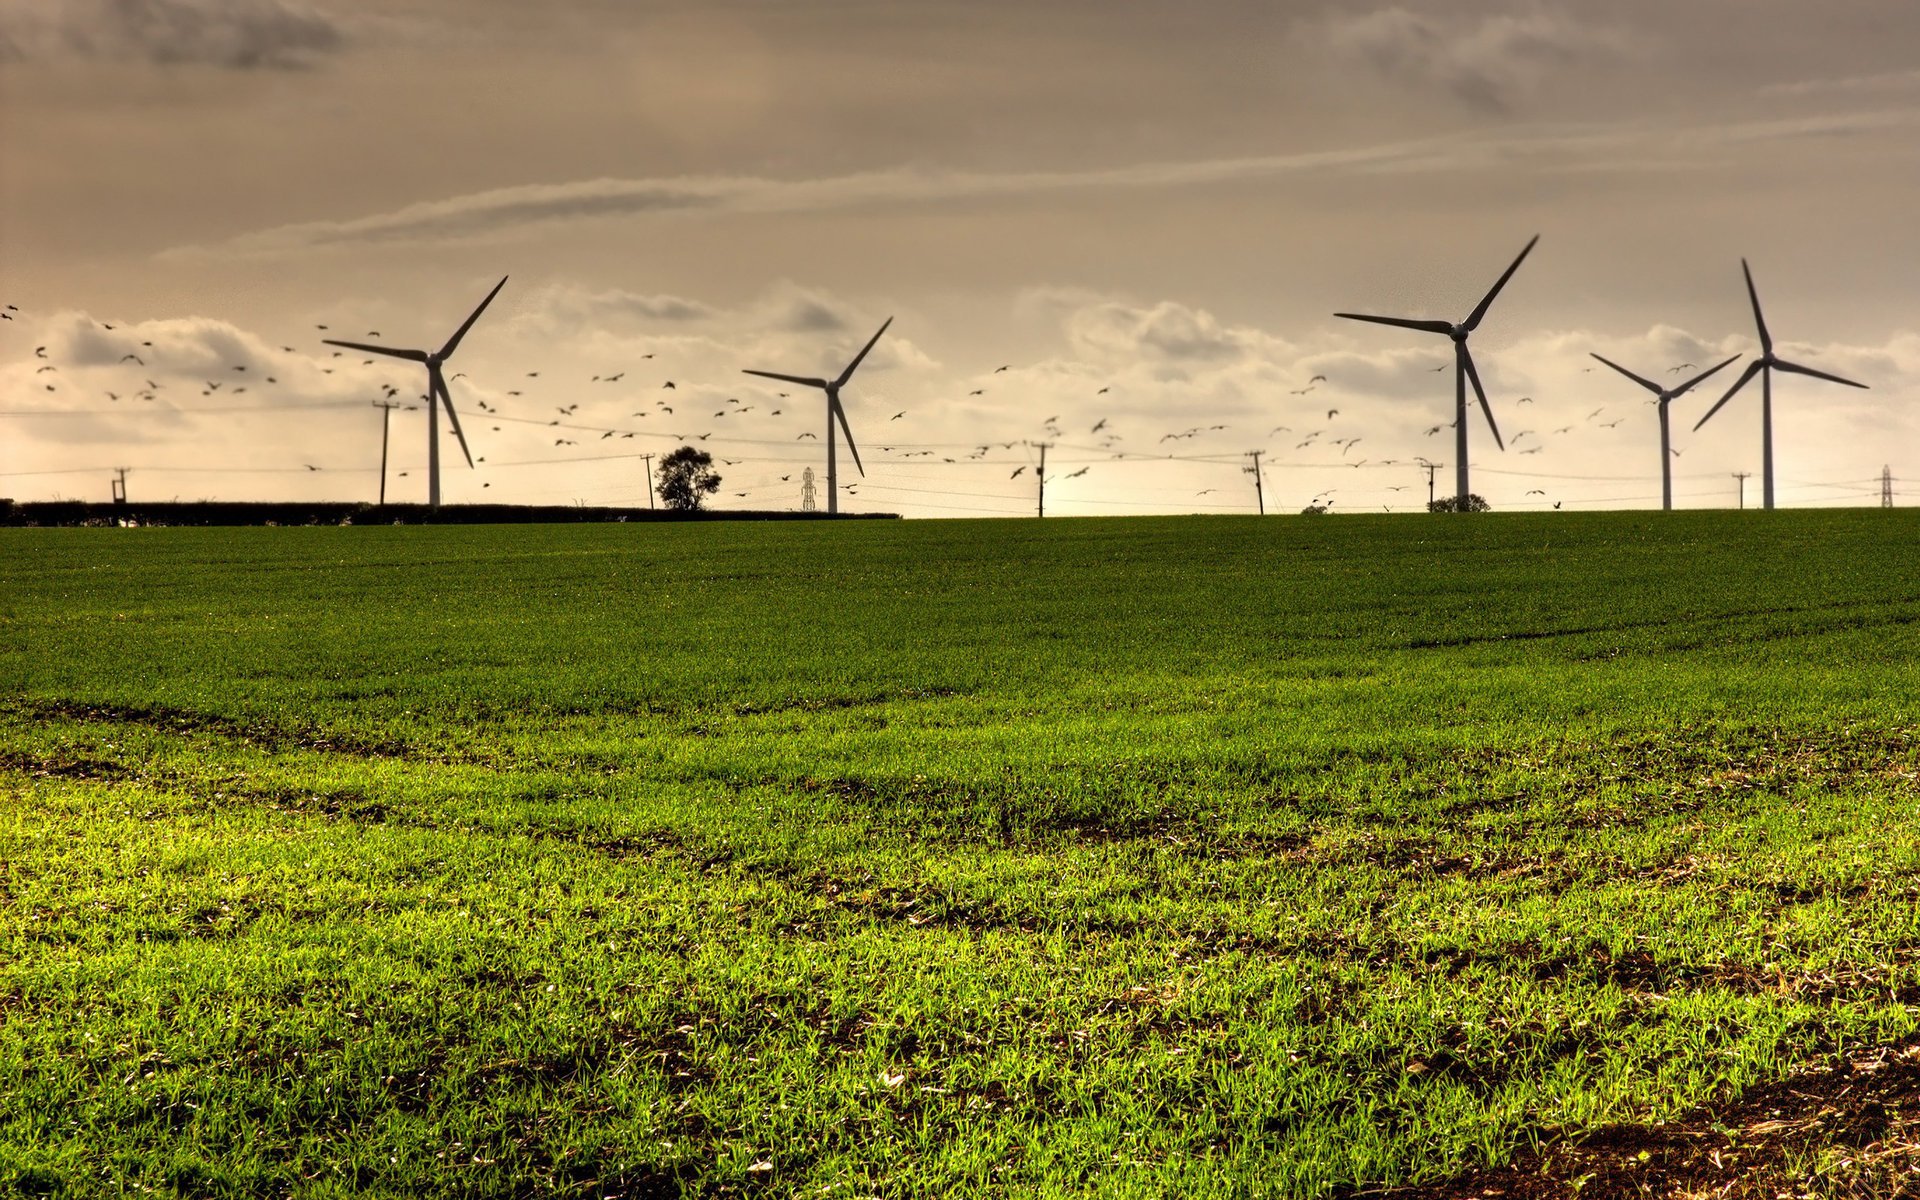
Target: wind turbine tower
1665 397
834 413
436 390
1463 369
1764 367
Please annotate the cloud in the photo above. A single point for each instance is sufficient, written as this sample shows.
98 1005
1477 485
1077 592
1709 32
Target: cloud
565 307
1485 62
1880 82
237 34
506 212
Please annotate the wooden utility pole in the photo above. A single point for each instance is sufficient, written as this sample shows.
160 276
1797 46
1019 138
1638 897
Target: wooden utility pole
1040 475
648 460
386 408
1742 476
1431 467
1259 495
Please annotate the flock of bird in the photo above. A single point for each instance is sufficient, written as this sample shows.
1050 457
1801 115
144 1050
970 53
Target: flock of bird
669 400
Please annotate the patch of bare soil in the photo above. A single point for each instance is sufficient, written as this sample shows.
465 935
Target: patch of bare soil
1847 1131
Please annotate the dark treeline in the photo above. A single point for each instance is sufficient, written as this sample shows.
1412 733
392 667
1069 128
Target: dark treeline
215 512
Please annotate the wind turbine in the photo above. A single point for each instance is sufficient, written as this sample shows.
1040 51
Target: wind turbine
1463 369
1667 396
834 412
436 390
1764 367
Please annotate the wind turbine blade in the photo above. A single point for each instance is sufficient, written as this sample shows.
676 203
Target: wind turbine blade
1648 384
1473 322
389 351
848 373
453 418
1797 369
804 380
841 413
1402 322
1686 387
1766 339
1473 377
453 343
1746 377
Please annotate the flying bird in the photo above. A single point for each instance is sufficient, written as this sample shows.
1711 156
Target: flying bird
1101 424
1017 472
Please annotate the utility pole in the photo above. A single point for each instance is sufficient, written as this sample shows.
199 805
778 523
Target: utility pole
1431 467
386 408
120 485
1259 496
1742 477
648 460
1886 486
1040 475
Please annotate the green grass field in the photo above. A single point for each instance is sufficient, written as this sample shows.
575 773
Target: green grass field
1141 857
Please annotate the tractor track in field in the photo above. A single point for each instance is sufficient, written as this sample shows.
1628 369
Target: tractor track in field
1850 1128
180 722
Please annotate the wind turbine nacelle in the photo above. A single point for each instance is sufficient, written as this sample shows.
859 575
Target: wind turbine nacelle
1459 333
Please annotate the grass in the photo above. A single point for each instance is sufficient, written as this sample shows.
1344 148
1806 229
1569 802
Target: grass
1133 857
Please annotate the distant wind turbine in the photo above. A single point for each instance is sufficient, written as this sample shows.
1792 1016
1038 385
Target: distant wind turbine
1764 367
834 413
1463 368
1666 396
436 390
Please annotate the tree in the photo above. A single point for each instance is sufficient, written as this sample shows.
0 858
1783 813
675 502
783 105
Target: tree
686 477
1475 503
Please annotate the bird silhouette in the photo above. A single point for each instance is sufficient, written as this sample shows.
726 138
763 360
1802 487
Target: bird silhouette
668 384
997 370
1079 473
1101 392
39 351
897 416
132 357
1017 472
1099 425
1332 413
1316 379
977 392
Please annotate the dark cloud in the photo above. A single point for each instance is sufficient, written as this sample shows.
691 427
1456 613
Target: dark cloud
1485 62
238 34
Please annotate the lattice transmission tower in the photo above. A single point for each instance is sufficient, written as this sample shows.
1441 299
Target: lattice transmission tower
807 503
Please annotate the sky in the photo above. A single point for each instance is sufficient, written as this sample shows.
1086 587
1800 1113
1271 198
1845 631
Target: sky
1121 228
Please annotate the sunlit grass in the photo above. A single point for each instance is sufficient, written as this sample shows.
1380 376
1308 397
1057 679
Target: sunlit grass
1133 857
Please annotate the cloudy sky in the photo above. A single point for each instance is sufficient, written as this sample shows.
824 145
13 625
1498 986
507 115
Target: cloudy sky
1085 210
